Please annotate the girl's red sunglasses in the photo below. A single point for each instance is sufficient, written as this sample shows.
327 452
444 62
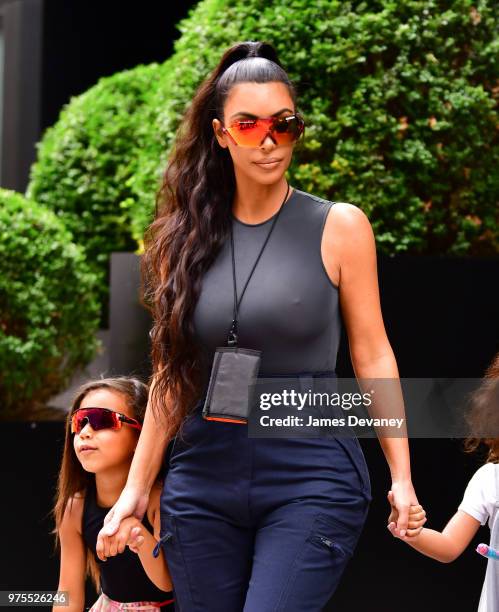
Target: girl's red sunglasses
251 132
100 418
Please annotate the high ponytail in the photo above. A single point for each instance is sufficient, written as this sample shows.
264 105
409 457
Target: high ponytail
245 50
191 223
249 61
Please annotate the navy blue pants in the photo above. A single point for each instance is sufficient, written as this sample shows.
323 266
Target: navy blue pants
259 525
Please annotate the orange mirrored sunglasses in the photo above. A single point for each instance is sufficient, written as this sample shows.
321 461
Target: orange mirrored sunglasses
251 132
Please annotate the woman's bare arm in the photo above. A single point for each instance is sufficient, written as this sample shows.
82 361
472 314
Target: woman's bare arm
349 254
150 449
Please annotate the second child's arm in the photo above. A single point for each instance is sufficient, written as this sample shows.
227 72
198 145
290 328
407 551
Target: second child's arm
447 545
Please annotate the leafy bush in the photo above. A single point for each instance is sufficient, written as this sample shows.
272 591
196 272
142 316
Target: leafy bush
48 309
85 162
400 100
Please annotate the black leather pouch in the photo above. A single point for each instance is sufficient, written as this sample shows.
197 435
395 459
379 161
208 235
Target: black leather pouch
230 388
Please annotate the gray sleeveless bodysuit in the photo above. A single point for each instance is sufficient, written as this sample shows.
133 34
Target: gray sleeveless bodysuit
290 309
287 509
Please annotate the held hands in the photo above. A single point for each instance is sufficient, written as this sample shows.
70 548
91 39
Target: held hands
132 504
401 498
416 520
129 534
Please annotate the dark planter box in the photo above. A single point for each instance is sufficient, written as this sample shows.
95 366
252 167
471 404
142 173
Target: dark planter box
129 321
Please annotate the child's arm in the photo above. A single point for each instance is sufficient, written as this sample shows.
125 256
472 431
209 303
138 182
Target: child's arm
158 572
156 568
141 541
447 545
73 557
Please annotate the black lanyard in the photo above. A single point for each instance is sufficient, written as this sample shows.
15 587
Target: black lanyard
232 336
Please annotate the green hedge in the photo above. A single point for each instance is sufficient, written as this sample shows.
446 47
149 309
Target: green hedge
399 102
48 309
85 162
400 110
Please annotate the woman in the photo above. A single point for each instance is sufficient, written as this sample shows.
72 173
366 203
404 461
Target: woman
253 523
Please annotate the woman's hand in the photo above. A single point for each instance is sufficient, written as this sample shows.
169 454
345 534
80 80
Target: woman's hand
402 498
417 518
115 544
131 503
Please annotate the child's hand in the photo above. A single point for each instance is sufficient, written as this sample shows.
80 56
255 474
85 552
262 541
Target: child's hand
136 539
115 544
417 518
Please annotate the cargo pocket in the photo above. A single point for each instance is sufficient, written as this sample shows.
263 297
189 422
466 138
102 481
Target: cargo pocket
319 565
332 535
172 548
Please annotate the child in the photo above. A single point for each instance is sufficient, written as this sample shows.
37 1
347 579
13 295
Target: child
102 431
481 498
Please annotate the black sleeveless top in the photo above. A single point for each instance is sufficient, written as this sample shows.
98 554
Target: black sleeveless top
290 309
122 577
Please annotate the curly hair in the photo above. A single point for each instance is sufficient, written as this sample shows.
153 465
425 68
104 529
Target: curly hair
484 413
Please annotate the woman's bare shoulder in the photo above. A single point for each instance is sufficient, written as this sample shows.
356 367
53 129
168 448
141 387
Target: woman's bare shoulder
348 227
349 216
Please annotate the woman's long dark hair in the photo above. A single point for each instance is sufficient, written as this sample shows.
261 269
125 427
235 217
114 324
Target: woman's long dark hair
73 480
192 219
